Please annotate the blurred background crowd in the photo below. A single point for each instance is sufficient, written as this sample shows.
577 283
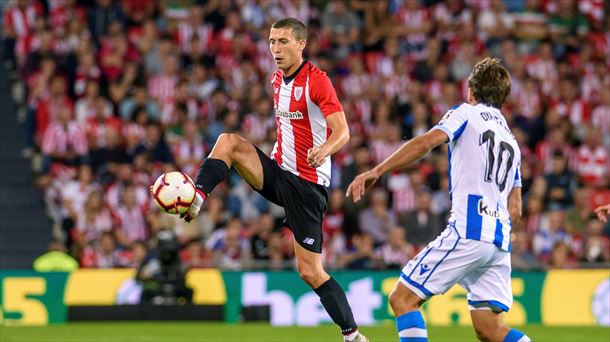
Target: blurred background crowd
118 92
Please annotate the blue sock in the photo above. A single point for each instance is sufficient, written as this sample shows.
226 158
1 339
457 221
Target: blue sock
515 335
411 327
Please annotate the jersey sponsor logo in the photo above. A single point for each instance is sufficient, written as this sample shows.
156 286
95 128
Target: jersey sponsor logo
445 117
423 268
298 91
288 115
483 209
309 241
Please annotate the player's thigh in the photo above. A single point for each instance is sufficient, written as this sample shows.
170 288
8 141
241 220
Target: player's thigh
489 287
304 204
443 263
309 265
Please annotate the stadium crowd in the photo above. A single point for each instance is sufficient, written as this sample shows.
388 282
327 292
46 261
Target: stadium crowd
118 92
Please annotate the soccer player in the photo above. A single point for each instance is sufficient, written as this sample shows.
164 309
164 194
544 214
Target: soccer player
485 188
311 126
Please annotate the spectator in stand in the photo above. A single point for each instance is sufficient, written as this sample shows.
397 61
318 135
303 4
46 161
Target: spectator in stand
559 184
362 254
580 211
600 117
194 255
341 27
260 240
256 125
561 256
593 160
130 219
87 106
597 245
521 255
92 222
55 260
130 106
530 26
50 106
64 141
104 254
376 220
162 87
495 24
229 248
396 251
74 196
378 24
549 234
155 145
567 27
421 224
189 148
102 15
124 178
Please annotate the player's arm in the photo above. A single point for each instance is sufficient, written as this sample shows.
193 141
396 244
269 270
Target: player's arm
408 153
339 136
514 205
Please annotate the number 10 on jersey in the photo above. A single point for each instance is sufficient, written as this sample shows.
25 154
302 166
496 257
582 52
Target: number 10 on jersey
502 163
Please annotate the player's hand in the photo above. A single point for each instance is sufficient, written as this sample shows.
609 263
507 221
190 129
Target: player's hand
603 212
316 156
360 184
194 209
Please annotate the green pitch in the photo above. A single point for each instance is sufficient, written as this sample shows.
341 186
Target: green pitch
179 332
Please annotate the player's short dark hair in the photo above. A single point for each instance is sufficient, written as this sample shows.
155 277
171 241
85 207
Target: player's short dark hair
489 82
298 28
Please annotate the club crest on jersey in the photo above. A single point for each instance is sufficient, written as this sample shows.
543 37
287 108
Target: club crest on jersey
298 91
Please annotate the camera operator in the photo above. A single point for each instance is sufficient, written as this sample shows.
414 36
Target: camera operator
163 276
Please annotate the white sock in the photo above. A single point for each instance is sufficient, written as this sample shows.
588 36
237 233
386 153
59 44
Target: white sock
351 336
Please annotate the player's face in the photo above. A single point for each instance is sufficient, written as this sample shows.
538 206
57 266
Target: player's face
286 49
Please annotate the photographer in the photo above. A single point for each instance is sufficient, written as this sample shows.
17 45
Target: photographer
163 276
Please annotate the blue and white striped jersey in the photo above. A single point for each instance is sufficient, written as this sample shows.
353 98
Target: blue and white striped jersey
484 163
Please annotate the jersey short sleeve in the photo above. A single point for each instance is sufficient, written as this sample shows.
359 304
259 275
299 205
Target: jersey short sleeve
517 183
323 94
454 122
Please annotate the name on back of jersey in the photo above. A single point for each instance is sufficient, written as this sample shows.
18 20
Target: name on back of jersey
487 116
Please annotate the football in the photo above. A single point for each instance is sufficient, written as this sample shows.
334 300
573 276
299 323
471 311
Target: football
173 192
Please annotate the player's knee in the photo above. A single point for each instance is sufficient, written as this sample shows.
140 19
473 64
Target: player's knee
308 276
311 276
233 142
401 304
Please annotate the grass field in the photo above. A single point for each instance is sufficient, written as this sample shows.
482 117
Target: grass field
178 332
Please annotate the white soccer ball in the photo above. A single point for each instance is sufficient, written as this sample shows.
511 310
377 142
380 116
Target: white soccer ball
173 192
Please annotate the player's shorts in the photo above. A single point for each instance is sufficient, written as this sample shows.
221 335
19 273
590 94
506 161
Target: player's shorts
304 202
481 268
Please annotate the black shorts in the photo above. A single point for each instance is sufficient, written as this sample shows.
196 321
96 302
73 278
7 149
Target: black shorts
304 202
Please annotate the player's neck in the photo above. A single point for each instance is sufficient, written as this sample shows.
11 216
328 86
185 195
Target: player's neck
293 68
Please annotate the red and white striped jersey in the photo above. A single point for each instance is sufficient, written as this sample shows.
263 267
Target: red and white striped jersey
302 102
60 138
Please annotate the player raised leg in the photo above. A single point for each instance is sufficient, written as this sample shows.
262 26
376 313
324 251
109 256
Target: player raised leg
230 150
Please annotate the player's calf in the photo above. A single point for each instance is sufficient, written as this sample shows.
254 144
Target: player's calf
488 326
409 320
